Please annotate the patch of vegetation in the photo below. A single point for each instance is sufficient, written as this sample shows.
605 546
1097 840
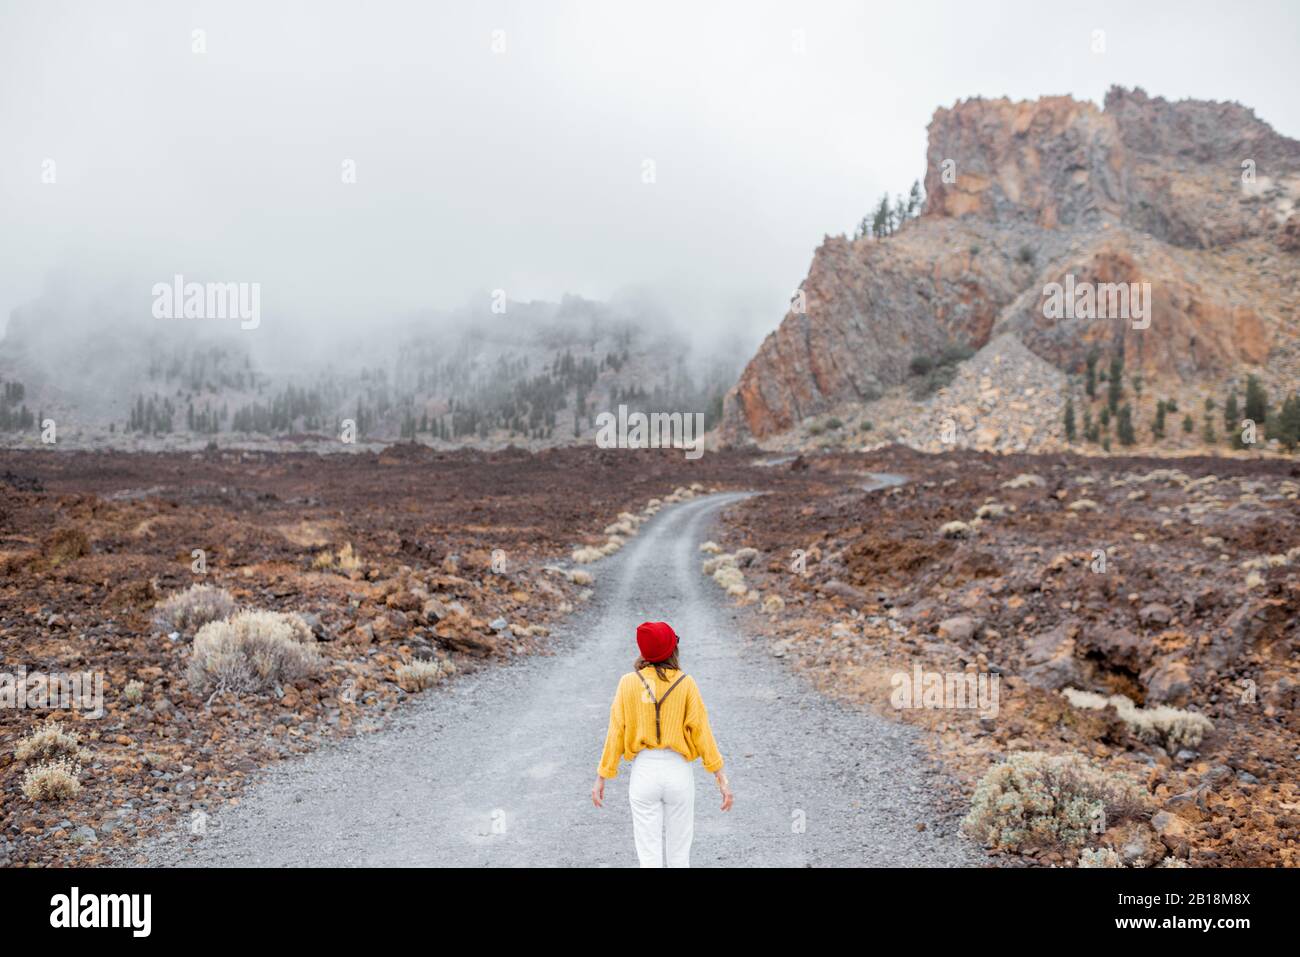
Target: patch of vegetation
189 610
252 652
933 372
1040 800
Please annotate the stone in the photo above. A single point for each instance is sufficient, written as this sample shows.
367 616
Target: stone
315 625
433 611
1190 805
1168 681
962 628
1173 832
1156 614
1136 843
844 591
1118 648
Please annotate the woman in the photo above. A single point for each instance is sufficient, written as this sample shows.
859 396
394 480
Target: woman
659 723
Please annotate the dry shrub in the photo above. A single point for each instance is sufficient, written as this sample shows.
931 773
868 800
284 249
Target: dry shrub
52 780
134 692
420 675
1173 728
133 595
345 561
1040 800
189 610
50 742
252 652
1099 857
65 545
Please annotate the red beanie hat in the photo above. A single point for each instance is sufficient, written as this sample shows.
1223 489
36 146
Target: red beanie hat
656 640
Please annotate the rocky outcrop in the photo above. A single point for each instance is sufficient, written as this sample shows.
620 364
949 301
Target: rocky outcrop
1195 201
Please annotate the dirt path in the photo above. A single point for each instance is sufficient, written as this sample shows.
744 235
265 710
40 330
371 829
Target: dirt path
496 768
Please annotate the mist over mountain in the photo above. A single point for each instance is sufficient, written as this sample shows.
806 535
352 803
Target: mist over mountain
493 371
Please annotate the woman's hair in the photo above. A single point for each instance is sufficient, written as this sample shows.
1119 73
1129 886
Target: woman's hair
668 664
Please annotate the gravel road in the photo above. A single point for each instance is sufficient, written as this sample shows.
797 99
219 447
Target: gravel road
495 768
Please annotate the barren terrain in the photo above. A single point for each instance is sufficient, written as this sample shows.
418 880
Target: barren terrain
1195 607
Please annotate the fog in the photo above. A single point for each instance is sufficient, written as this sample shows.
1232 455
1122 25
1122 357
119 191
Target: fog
524 168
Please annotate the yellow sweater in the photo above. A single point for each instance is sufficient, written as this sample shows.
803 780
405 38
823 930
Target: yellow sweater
683 721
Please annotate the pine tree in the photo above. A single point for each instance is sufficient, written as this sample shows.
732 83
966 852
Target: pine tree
1069 419
1091 380
1256 401
1124 426
1287 424
880 221
1231 415
1158 427
1208 435
1115 384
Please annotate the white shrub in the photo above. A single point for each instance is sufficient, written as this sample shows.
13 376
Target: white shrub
52 780
48 742
252 652
187 611
419 675
724 560
729 575
1170 727
1099 857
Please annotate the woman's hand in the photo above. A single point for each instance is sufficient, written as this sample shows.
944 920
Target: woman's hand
598 792
725 788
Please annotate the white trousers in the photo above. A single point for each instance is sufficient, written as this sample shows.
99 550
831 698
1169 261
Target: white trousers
662 792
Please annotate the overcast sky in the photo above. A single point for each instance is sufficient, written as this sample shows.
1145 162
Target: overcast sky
523 169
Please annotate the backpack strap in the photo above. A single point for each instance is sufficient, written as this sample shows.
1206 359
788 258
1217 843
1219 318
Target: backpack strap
658 702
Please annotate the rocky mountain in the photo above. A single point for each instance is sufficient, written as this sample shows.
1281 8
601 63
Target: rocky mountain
1192 203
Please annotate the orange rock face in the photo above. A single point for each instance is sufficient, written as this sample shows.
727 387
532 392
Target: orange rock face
1190 203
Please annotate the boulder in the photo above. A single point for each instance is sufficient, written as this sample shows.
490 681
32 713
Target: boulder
1050 656
842 590
1168 681
1118 648
961 628
1156 615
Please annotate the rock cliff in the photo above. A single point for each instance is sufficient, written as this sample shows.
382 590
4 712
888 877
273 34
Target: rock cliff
1193 202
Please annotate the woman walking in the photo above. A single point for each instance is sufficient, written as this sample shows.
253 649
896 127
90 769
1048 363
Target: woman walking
659 723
